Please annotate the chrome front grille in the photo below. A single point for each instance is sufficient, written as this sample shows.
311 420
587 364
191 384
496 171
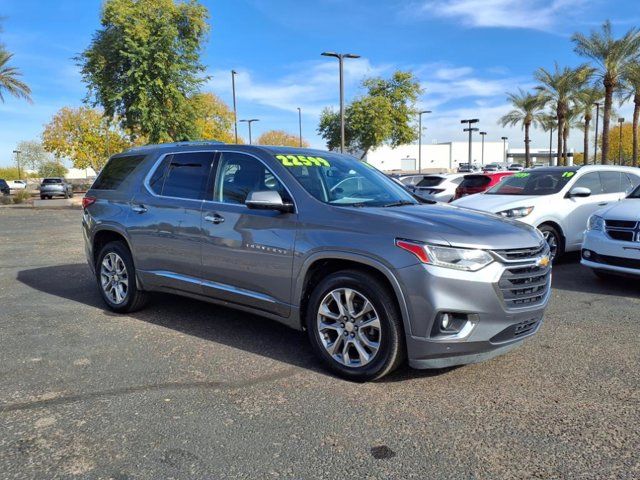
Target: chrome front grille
526 279
623 230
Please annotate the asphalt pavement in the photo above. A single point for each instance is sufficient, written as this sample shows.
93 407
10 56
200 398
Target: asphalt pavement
185 389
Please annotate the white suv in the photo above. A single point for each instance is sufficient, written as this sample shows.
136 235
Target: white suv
557 200
612 240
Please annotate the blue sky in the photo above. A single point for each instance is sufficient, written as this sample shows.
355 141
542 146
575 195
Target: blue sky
466 53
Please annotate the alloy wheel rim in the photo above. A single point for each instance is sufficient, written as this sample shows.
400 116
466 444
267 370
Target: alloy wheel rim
114 278
552 241
349 327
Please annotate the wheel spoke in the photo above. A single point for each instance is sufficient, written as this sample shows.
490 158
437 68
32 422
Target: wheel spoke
114 278
325 312
362 353
348 297
366 308
371 322
334 348
370 344
337 297
346 359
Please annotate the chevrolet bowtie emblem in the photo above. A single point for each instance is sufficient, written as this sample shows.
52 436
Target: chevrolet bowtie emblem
543 261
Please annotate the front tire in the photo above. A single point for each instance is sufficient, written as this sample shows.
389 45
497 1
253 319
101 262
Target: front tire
554 240
116 278
354 326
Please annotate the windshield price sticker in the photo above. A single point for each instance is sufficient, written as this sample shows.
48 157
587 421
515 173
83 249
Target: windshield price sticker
522 175
568 174
302 161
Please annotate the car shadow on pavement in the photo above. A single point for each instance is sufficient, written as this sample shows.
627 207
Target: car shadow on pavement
570 275
248 332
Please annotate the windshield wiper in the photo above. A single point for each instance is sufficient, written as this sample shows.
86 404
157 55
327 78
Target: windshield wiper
400 203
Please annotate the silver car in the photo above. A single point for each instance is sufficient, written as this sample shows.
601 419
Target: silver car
320 242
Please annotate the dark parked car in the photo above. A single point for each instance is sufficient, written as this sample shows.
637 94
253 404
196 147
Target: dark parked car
320 242
4 187
55 187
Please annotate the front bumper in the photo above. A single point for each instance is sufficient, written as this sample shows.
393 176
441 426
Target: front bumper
605 253
497 324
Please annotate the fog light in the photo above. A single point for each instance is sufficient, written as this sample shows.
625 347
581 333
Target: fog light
453 325
444 321
586 253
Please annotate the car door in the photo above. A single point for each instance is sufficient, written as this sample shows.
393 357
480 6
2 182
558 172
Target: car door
164 224
247 254
581 208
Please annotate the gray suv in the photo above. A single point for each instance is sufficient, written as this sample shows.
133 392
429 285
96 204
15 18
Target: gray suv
320 242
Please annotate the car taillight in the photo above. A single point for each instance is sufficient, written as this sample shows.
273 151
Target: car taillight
86 201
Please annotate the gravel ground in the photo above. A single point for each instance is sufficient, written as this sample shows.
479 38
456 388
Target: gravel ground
185 389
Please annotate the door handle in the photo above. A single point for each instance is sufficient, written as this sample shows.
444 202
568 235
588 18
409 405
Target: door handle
214 218
603 204
139 208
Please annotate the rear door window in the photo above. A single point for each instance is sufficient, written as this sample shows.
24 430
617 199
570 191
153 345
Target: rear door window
182 175
611 182
116 171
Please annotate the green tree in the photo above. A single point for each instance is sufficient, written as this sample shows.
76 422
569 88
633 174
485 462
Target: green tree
10 78
527 112
626 145
85 137
610 55
144 64
584 101
32 154
213 118
631 77
382 116
281 138
52 168
558 89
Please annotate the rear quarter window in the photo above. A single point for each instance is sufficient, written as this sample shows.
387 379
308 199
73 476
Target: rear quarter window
116 171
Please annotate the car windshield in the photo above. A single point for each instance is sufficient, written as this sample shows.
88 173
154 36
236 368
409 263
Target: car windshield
344 181
430 182
533 183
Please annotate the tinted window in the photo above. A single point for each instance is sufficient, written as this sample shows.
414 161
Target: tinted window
115 171
540 182
457 181
475 181
239 174
590 181
633 180
51 180
183 175
430 182
611 182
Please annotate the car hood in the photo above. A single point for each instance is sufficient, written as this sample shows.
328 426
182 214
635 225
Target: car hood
624 210
445 224
497 203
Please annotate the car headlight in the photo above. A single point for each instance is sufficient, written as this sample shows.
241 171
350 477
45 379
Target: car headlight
516 212
468 259
595 223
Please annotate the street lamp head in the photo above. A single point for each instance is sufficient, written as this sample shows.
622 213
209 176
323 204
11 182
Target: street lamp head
621 120
17 151
233 72
483 133
329 54
424 111
471 120
351 55
504 138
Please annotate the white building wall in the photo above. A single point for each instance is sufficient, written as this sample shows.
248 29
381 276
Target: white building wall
435 157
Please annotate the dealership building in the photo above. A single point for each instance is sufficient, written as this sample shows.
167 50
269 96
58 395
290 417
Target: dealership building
442 157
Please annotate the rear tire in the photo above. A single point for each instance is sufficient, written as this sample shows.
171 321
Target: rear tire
377 347
113 265
554 240
42 197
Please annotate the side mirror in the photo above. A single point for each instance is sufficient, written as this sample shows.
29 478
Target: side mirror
267 200
579 192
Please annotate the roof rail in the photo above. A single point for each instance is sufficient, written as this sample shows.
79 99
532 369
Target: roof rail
175 144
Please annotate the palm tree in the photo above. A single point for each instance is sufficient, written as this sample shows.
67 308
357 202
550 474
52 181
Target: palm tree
631 78
549 123
584 101
527 111
611 55
558 89
9 80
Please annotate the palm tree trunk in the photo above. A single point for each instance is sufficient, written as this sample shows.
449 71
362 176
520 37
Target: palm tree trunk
606 117
527 151
587 121
636 114
560 129
565 136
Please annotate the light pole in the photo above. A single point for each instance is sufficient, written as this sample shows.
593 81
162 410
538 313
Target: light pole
341 57
249 122
420 139
235 110
470 129
595 147
550 146
620 121
300 124
18 152
504 148
482 158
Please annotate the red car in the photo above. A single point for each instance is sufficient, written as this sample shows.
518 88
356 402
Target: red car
479 182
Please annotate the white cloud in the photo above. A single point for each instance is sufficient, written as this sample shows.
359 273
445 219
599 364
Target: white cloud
534 14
